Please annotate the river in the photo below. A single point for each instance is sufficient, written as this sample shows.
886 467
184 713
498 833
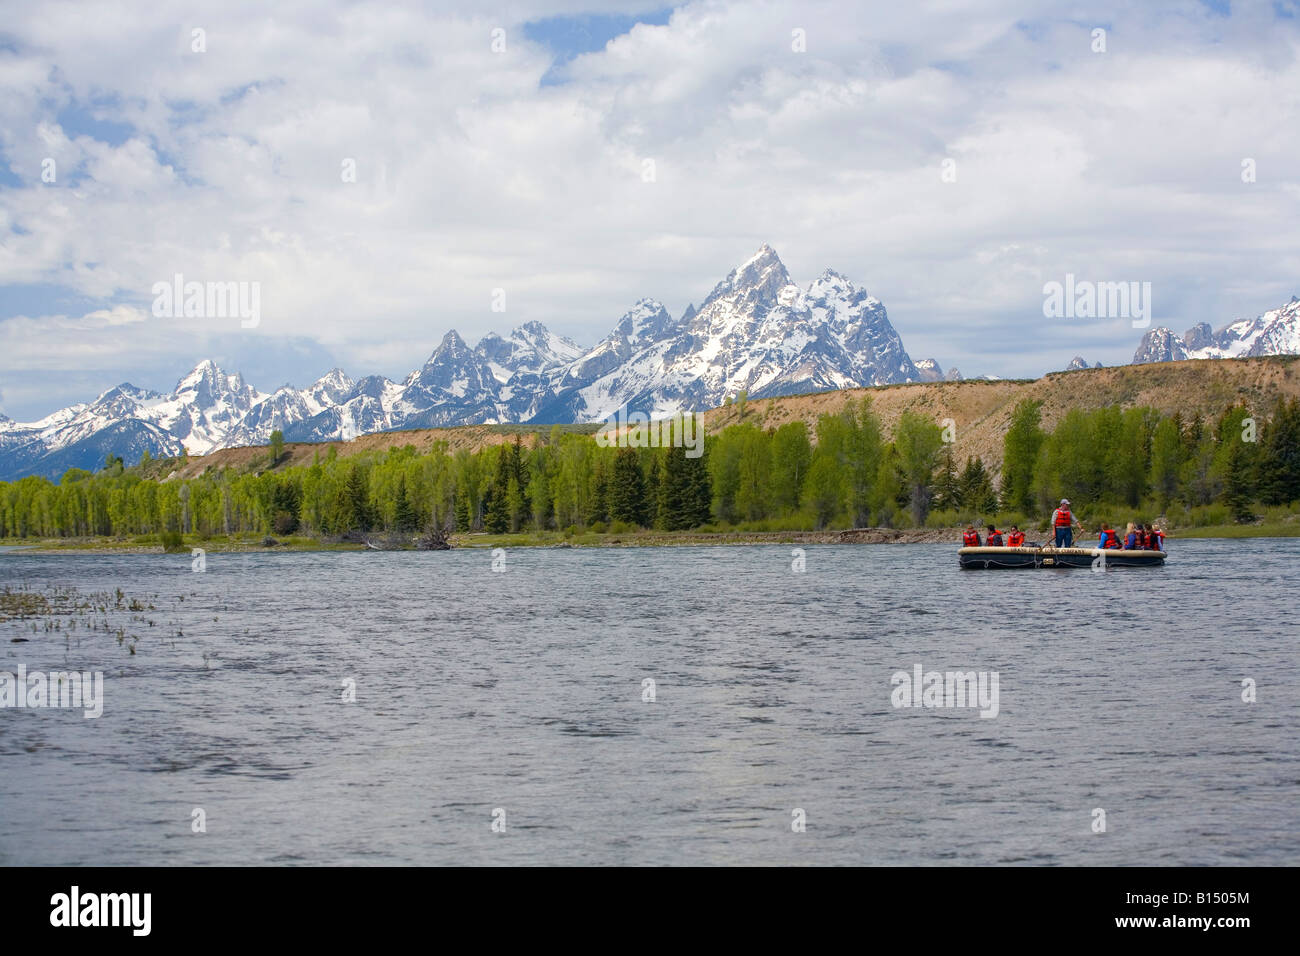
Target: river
505 717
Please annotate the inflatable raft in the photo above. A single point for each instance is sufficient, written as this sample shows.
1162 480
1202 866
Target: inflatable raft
988 559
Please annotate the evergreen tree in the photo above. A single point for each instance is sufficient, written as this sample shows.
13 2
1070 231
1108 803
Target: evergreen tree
1234 464
498 504
518 467
947 489
977 488
1279 455
699 493
653 488
673 513
285 506
515 505
404 515
356 501
598 504
685 496
627 488
461 510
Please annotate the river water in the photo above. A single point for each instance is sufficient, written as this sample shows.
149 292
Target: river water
519 697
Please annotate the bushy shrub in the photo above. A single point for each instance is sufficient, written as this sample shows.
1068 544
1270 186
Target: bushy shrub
946 519
284 523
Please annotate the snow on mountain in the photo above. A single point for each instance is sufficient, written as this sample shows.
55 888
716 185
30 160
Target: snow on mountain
1276 332
1078 363
205 407
756 331
530 348
1160 345
929 370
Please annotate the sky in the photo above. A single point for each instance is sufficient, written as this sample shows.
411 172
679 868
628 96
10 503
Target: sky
558 161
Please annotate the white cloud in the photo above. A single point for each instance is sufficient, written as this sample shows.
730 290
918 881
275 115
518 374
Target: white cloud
471 176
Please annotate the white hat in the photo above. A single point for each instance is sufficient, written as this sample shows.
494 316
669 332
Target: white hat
1065 501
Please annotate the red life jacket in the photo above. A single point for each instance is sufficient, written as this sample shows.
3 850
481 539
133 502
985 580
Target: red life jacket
1159 543
970 539
1109 539
1143 541
995 539
1063 518
1015 539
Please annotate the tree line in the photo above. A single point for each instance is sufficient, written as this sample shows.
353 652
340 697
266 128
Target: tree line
844 471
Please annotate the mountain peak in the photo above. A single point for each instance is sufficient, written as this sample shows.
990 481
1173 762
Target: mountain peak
205 372
534 328
759 278
451 342
929 369
646 321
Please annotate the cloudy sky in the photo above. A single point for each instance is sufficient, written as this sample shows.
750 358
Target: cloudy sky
820 128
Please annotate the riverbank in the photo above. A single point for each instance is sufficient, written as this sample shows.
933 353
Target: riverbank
589 539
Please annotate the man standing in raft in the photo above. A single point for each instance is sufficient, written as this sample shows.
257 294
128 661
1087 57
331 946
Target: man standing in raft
1063 524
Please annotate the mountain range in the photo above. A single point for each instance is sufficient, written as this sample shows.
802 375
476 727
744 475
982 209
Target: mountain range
757 332
1276 332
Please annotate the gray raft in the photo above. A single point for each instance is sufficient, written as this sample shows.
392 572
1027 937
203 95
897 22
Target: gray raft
989 559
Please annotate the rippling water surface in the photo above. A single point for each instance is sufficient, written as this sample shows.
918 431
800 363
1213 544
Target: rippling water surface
523 691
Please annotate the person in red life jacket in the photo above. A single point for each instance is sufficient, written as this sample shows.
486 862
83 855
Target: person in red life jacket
1108 539
1063 524
994 537
1155 538
1143 541
970 538
1015 538
1131 542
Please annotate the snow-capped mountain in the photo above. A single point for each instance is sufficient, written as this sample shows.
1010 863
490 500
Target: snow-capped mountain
1077 363
929 370
756 332
1276 332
